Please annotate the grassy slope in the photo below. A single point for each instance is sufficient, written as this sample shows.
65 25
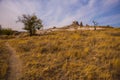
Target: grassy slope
4 57
78 55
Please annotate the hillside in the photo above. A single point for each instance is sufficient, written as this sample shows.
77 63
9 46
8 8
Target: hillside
68 55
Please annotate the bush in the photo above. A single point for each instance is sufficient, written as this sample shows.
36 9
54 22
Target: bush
6 31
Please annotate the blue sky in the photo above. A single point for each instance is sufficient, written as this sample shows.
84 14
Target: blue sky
60 12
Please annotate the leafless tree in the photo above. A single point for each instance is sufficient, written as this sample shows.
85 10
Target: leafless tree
95 24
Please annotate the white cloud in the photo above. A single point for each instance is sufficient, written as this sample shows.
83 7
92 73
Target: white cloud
11 9
54 12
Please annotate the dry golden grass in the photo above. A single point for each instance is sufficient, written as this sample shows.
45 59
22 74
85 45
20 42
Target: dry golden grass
4 57
70 55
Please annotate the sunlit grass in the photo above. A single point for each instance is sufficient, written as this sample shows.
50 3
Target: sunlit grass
67 55
4 57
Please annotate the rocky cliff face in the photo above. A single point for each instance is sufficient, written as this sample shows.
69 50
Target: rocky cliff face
75 23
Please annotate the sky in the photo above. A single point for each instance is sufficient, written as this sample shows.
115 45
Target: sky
60 12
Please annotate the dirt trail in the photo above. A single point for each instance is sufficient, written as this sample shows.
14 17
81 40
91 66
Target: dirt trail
15 64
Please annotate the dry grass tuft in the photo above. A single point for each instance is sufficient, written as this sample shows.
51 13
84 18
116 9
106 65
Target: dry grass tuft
67 55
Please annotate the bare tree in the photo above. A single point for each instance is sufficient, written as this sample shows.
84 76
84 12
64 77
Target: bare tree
95 24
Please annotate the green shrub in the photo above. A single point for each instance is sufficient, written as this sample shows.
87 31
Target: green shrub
6 31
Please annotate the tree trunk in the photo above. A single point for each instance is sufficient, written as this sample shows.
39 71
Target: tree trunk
94 27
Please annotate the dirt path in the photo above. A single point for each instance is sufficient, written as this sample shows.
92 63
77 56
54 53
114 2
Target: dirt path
15 64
